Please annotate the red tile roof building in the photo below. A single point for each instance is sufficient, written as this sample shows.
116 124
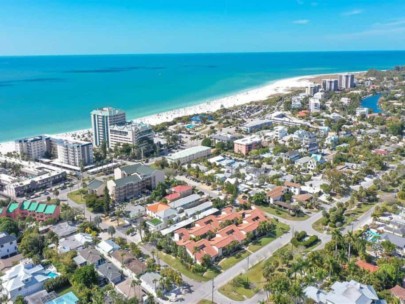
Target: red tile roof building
225 228
398 292
38 211
366 266
179 192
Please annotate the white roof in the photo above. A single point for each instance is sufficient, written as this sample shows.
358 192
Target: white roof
107 246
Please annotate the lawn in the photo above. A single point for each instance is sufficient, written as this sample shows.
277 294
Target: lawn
77 196
65 290
227 263
257 244
352 215
318 226
284 214
255 278
206 302
177 265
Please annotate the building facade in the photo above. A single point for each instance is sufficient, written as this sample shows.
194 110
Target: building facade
133 133
101 120
130 181
346 81
74 153
190 154
33 148
330 85
8 245
247 144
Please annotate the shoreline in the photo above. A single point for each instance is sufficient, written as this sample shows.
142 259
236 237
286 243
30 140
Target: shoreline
281 86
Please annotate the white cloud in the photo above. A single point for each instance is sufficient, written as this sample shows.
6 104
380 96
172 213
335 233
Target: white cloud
353 12
301 21
378 29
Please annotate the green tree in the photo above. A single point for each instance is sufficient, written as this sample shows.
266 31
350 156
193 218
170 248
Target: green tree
107 200
32 245
85 275
9 225
206 142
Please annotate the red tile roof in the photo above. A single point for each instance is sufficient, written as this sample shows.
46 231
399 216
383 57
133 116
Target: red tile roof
182 188
172 196
157 207
223 236
398 292
291 184
366 266
276 192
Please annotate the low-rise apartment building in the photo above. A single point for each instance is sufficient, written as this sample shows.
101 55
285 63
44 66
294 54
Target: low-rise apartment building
131 180
38 211
188 155
246 145
222 231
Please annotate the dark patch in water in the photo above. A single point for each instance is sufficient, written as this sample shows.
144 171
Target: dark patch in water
114 70
7 83
208 66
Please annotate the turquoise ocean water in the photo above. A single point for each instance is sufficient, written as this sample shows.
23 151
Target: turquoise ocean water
53 94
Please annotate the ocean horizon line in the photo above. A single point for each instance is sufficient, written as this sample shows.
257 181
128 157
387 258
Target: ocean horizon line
200 53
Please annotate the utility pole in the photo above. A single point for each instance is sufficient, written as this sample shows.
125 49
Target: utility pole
212 291
247 278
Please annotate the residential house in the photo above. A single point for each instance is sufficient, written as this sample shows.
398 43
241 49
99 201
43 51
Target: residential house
74 242
107 247
344 292
399 293
24 279
110 273
276 194
96 187
128 262
63 229
8 245
294 188
291 156
89 256
150 282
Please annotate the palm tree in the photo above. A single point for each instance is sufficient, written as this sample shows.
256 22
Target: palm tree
337 238
111 231
97 220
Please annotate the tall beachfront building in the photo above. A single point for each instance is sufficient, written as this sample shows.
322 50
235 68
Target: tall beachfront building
132 133
33 148
74 153
330 85
346 81
101 120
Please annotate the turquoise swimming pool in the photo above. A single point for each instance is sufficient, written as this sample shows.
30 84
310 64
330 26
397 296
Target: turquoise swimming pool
52 275
67 298
190 126
372 236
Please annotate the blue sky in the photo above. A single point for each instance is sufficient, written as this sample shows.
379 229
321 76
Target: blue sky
37 27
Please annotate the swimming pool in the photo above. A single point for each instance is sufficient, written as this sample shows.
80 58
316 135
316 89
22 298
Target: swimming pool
67 298
190 126
52 275
372 236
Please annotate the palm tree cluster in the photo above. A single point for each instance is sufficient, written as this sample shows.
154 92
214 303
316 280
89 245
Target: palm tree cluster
290 270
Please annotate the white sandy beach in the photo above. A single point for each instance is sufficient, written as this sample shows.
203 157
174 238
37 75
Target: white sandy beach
282 86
